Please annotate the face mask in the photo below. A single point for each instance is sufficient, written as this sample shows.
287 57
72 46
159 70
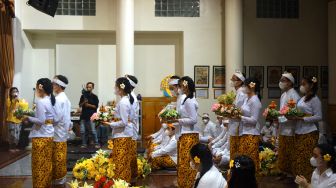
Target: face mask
232 83
205 121
167 132
282 85
180 92
245 90
313 162
192 165
164 126
303 90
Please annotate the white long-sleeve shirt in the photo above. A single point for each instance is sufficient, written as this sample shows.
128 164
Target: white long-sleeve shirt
123 127
221 135
222 141
206 131
188 116
170 148
312 107
212 178
288 128
44 111
251 110
239 101
136 108
326 180
63 111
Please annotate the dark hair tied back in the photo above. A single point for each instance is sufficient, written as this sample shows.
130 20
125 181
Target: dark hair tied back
312 81
47 87
127 89
190 86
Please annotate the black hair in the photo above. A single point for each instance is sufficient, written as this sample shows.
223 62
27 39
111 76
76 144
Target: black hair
242 80
133 78
10 92
127 89
175 77
91 84
204 154
63 79
328 149
47 87
243 173
256 87
314 89
191 87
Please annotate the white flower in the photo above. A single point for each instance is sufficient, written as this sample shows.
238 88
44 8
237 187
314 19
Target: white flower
40 86
237 164
252 84
314 79
185 83
122 86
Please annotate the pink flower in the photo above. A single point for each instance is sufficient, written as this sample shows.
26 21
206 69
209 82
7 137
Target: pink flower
94 117
265 114
284 110
215 107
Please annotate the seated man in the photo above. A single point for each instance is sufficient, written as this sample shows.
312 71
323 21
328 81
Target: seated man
222 143
207 129
157 139
166 155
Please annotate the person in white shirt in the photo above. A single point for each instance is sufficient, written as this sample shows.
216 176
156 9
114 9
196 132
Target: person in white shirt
215 147
306 133
136 107
60 82
166 155
268 133
207 173
219 122
122 130
221 149
237 81
249 128
324 174
286 128
207 129
42 134
189 136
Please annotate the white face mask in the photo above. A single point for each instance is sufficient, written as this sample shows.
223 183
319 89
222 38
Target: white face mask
180 92
205 121
232 83
313 162
303 90
192 165
167 132
282 85
164 126
245 90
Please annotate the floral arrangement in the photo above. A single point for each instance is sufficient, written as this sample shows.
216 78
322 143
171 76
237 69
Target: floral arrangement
105 113
225 106
290 110
23 110
169 115
268 164
270 112
144 168
103 182
94 168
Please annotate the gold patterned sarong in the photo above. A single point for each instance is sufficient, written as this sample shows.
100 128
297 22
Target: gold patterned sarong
162 162
121 156
59 162
42 162
185 174
134 164
234 146
304 145
286 153
249 146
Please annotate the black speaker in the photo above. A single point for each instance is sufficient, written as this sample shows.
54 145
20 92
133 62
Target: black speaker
46 6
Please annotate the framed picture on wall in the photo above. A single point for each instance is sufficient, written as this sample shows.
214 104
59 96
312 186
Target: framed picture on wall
218 77
201 76
324 77
295 70
202 93
274 93
258 73
310 71
218 92
273 76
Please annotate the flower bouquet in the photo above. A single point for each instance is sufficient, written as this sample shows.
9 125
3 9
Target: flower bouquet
268 164
270 112
225 106
290 110
105 113
169 115
144 168
23 110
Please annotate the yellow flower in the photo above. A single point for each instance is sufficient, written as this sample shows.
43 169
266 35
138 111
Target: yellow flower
97 178
86 185
110 144
231 163
197 160
326 157
73 184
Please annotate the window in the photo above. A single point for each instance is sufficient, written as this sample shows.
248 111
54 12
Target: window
278 9
177 8
76 7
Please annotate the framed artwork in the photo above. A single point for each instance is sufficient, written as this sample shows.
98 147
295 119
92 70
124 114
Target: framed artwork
295 70
274 93
202 93
273 76
258 73
201 76
324 77
218 77
218 92
310 71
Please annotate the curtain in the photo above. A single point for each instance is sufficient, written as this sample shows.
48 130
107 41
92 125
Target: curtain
6 60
